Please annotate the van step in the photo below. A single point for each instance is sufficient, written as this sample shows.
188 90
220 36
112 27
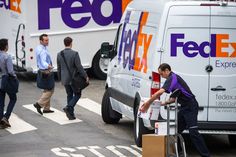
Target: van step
222 132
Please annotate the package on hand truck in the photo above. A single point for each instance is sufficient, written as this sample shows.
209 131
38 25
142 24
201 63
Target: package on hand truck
153 111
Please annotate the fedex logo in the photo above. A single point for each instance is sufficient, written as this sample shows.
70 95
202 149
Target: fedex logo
219 46
88 10
134 45
13 5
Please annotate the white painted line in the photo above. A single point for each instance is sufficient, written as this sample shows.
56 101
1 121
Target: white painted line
58 116
18 125
90 105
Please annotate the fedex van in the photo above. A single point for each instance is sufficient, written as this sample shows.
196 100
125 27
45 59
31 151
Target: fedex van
88 22
198 40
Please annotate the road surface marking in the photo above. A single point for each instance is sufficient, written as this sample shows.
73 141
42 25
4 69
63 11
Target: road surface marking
58 116
18 125
90 105
75 152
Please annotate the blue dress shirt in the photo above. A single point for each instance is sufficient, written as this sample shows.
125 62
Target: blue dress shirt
42 56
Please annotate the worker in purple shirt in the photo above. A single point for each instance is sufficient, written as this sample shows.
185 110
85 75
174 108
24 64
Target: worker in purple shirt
187 115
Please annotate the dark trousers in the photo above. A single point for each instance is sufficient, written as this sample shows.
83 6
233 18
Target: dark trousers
10 106
187 119
72 98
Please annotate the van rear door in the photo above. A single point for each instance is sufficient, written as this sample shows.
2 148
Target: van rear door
222 91
186 33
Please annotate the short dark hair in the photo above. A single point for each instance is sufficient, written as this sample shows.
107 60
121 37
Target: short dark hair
3 44
42 35
164 66
68 41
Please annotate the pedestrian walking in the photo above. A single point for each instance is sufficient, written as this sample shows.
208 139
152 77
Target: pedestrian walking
8 84
187 115
68 63
45 76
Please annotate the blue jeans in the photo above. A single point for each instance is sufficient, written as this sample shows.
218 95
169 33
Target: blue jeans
72 98
10 106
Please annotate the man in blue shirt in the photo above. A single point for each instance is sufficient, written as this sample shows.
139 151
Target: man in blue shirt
6 67
44 64
187 115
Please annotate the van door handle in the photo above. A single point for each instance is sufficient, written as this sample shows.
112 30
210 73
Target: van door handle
218 88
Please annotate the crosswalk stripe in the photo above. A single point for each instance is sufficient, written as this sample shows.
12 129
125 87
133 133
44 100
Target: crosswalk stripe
18 125
58 116
90 105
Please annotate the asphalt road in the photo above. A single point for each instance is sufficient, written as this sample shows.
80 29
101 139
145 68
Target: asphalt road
52 135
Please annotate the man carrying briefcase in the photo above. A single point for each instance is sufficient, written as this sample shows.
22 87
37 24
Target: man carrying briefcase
68 64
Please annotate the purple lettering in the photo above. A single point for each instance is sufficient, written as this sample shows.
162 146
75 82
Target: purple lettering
202 49
175 44
5 3
192 49
44 12
190 46
67 11
102 20
94 8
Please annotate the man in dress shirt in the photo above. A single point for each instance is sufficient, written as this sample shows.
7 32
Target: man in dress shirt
44 64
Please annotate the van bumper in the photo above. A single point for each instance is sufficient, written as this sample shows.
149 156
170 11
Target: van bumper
217 126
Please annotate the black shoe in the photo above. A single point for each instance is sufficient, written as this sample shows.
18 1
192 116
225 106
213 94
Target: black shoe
48 111
2 126
5 122
68 115
38 107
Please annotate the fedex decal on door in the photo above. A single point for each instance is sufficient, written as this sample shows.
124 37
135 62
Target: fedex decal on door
133 43
221 46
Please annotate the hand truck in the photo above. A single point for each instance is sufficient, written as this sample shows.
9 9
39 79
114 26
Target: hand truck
172 139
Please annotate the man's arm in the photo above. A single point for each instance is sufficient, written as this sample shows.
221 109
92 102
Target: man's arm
58 66
147 104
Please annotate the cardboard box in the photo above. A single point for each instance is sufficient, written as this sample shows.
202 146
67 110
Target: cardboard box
154 145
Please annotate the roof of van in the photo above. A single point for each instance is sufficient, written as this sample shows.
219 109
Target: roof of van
158 5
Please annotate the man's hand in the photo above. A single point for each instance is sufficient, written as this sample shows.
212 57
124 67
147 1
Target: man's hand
50 67
144 107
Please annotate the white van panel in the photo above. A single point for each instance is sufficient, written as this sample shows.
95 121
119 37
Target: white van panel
223 103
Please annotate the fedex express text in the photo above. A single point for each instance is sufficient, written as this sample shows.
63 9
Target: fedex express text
220 47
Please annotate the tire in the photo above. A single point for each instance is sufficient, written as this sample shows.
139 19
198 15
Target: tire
100 66
109 116
139 128
232 140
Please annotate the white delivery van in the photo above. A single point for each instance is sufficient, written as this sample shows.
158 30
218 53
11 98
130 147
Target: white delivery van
198 40
88 22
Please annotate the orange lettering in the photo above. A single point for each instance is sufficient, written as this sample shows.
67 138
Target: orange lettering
140 41
15 5
144 59
220 44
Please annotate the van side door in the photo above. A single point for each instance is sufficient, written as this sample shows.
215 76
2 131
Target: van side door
222 91
185 40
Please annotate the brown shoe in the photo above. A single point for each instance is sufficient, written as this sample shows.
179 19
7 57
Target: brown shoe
5 122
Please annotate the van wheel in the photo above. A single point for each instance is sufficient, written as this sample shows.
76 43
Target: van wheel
232 140
100 66
109 116
139 128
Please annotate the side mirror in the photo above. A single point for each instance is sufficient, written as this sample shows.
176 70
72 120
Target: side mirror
106 50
